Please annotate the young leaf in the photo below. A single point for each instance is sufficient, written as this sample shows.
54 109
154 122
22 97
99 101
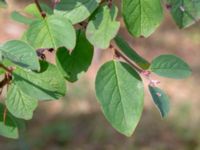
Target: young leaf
21 54
76 10
103 27
71 65
120 92
48 84
33 10
184 12
52 32
142 17
170 66
20 18
130 53
8 127
161 100
19 103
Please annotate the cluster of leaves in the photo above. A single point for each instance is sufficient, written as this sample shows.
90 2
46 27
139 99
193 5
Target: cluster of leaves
72 28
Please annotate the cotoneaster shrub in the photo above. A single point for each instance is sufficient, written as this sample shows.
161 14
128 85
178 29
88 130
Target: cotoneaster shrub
73 28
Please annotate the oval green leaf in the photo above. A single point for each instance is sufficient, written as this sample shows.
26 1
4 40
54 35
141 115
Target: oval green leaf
170 66
142 17
120 91
161 100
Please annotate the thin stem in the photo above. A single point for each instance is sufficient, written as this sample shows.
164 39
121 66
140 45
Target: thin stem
5 68
119 54
40 8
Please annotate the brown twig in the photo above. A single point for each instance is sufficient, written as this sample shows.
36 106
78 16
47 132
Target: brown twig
43 14
5 68
119 54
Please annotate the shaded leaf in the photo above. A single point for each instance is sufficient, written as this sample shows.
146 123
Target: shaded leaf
161 100
8 128
71 65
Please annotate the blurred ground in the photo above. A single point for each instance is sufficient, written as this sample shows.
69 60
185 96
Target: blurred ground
76 122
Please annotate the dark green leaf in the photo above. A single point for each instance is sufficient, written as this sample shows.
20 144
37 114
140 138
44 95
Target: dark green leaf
170 66
71 65
120 92
9 127
185 12
161 100
130 53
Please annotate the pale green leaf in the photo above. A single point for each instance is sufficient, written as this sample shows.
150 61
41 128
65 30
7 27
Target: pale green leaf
52 32
48 84
21 18
20 53
103 27
76 10
19 103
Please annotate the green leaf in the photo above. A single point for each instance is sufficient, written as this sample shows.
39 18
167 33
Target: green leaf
48 84
161 100
130 53
120 92
19 103
20 18
71 65
52 32
33 10
185 12
170 66
3 3
142 17
8 128
103 27
76 10
21 54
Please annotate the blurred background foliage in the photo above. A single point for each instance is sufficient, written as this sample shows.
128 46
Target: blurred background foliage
76 121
